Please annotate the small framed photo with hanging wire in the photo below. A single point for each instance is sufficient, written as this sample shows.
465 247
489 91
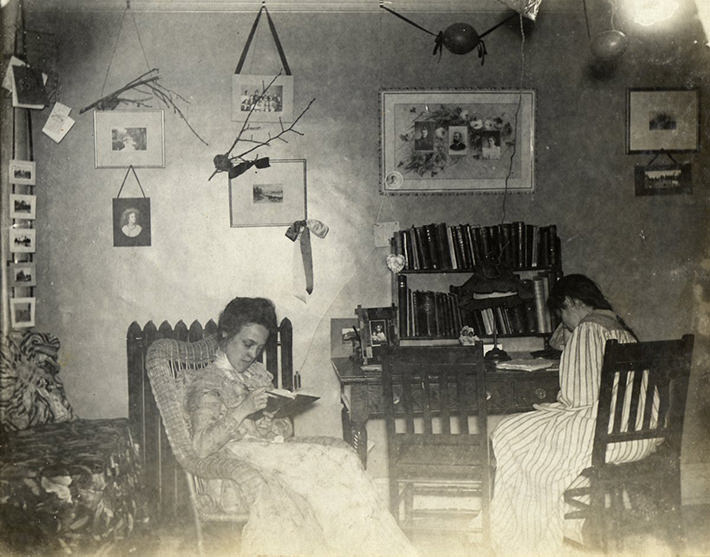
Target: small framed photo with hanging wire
131 221
125 138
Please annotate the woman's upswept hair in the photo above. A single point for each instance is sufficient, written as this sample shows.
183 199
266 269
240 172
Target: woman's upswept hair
243 311
578 287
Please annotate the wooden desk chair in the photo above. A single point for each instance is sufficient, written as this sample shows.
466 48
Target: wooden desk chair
434 391
168 362
631 498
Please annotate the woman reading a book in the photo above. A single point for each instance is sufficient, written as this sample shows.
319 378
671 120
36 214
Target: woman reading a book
306 496
538 454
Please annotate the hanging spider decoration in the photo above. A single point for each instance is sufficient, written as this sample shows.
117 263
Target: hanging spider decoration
458 38
147 84
225 162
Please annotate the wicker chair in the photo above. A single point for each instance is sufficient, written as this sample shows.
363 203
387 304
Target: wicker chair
167 363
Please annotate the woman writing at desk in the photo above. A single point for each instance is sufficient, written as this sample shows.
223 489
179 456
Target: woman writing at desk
538 454
306 496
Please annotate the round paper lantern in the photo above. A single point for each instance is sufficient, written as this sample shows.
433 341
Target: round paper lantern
460 38
609 45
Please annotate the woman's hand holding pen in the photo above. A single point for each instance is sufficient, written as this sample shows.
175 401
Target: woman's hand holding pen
255 401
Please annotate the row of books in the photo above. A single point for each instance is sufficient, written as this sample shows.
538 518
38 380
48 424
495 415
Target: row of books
442 247
510 313
425 313
430 314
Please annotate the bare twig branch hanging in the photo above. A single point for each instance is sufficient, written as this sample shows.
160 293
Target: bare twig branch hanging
148 84
225 162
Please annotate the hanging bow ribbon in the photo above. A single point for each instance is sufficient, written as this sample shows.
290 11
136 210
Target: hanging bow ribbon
301 230
224 164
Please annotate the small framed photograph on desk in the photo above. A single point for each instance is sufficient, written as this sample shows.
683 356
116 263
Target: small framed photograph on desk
378 330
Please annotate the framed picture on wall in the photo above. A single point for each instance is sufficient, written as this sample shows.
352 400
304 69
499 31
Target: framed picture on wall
22 312
457 141
22 240
663 120
22 275
131 221
23 206
272 104
663 179
125 138
22 172
272 196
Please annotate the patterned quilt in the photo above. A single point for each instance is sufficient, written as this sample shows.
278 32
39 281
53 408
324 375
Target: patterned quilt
69 488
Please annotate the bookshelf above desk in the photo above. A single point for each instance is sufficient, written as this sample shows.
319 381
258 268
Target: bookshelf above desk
502 275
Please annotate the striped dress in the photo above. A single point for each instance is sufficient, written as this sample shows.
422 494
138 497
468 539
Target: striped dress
538 454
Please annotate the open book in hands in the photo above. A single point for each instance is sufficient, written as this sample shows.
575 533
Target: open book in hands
283 403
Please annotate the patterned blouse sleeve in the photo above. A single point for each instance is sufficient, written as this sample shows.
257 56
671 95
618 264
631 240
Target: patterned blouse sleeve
212 425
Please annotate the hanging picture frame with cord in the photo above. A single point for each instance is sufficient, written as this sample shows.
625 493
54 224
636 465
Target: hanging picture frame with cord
457 141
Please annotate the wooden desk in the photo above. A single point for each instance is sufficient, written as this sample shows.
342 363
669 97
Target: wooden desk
361 396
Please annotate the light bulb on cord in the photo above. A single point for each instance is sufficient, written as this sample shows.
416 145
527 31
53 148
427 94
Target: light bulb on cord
650 12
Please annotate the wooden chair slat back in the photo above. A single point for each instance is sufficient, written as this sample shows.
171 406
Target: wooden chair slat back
643 392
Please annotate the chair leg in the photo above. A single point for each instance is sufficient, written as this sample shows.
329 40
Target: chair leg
394 498
408 501
198 533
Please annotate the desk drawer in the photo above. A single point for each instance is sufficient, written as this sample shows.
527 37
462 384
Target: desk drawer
510 394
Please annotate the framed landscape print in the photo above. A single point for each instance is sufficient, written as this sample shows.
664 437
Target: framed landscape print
22 172
125 138
22 275
23 206
272 196
663 179
663 120
271 105
22 240
456 141
22 312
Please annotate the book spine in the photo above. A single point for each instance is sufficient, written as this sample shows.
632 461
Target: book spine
462 247
422 247
535 246
432 246
452 248
442 245
519 229
416 259
553 253
402 302
471 246
540 309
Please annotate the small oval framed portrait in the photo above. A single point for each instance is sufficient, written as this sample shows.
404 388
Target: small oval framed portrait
131 221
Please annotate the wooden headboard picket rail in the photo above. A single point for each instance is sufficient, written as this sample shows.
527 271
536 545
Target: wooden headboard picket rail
163 478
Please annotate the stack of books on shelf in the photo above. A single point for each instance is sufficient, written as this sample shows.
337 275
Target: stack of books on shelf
442 247
430 314
427 314
520 312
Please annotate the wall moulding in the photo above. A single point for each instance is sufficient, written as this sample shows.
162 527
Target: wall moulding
291 6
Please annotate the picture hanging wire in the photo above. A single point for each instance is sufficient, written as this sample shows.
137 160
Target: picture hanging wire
649 164
274 34
118 38
517 112
130 169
